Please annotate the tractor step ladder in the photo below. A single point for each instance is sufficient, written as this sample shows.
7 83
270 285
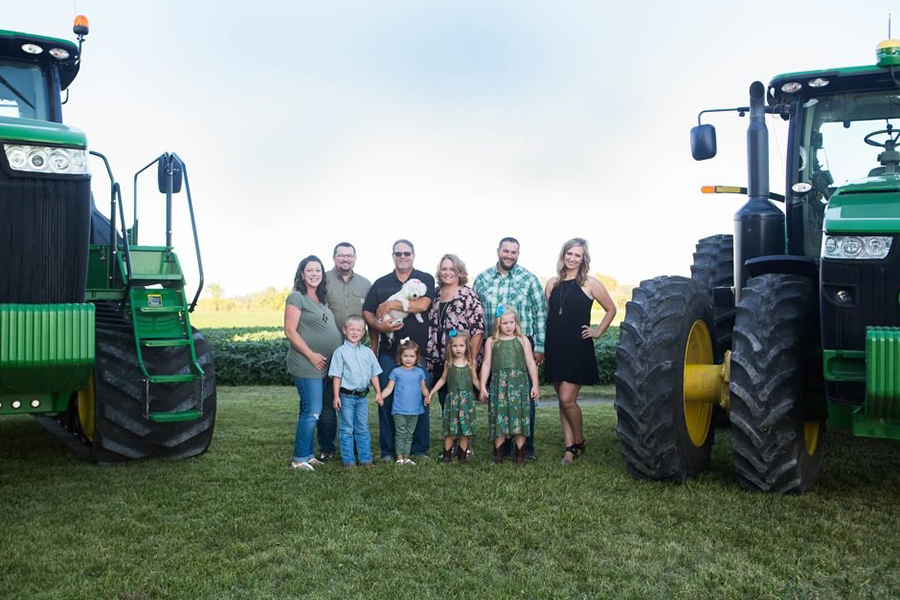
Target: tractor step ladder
160 318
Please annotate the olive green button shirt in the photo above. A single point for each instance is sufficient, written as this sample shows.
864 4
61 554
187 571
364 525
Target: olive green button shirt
346 298
318 329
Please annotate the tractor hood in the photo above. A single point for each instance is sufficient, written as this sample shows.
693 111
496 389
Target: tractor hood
863 206
31 131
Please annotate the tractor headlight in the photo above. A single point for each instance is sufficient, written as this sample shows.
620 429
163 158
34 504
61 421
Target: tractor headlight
856 246
47 159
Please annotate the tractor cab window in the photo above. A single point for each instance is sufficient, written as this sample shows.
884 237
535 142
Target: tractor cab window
832 148
23 93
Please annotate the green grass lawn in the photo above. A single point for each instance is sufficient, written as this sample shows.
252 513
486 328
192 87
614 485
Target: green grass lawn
238 523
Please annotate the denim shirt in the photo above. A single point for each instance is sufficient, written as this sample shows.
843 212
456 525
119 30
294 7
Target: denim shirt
408 398
355 364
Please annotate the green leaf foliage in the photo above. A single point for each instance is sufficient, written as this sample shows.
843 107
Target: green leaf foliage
256 355
249 355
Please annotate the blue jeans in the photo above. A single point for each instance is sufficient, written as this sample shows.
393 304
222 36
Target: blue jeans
355 427
421 436
326 430
311 391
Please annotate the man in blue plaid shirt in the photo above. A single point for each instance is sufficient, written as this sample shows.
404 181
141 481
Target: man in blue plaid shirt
511 285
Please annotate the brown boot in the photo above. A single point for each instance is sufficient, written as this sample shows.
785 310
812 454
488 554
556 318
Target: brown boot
463 455
499 455
448 456
520 455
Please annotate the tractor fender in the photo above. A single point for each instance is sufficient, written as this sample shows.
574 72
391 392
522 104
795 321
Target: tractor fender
786 264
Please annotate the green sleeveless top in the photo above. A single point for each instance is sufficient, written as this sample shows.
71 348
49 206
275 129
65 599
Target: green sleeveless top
459 379
508 354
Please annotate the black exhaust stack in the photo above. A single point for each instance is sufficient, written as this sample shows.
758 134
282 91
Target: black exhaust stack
758 224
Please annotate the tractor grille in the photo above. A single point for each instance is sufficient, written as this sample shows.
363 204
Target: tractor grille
44 236
874 288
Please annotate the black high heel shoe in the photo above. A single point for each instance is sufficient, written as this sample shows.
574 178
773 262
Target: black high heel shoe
575 450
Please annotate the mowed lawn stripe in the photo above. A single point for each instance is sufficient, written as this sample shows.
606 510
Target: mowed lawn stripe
238 523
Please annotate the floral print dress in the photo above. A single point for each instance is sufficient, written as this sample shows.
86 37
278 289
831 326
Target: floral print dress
510 399
464 313
459 414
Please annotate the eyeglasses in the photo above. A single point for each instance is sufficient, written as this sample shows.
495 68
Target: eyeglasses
399 254
345 256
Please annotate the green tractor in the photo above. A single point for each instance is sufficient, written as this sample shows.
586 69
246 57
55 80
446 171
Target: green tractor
794 321
95 333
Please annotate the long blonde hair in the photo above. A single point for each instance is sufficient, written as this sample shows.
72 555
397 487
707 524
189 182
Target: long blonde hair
583 269
517 332
448 360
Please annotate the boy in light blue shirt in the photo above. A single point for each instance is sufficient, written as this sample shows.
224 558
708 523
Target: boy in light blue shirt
353 367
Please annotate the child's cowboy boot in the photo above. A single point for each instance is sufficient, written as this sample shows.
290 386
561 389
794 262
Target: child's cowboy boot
448 456
520 455
498 455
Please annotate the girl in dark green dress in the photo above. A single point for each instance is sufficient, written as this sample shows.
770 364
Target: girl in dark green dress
461 381
509 363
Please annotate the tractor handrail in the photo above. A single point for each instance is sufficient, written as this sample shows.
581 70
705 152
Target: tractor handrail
134 223
187 188
117 190
190 203
115 194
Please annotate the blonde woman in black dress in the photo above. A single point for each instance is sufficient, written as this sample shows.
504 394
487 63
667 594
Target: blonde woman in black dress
569 351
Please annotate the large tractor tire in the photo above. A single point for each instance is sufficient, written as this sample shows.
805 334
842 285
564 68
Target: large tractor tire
667 325
777 444
714 267
110 409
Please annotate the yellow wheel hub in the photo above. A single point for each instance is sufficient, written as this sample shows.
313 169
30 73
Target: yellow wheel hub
87 405
701 382
811 431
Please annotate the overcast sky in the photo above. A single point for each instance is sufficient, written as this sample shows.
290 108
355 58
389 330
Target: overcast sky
451 123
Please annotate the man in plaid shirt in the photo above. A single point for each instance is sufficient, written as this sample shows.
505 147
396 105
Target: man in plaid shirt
515 287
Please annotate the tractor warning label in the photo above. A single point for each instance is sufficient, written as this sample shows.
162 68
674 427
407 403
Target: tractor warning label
154 300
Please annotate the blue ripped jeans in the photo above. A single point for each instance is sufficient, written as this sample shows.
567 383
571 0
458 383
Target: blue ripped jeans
311 391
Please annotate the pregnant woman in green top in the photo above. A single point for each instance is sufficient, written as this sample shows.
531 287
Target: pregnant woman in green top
310 327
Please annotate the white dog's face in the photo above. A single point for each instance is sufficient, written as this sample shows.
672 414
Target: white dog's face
413 289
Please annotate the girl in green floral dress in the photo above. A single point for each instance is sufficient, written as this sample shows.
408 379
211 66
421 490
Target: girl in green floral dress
509 363
461 381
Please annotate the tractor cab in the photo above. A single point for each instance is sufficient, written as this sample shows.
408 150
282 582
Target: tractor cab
34 70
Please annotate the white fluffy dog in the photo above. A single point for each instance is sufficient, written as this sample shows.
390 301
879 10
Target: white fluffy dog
411 290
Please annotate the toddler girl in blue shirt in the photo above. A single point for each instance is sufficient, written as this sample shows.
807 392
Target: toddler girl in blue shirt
410 398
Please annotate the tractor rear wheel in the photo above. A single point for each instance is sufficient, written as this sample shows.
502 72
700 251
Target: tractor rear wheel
777 445
714 267
667 326
111 410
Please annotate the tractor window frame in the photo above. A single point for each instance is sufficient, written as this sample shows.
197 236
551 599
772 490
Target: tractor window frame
37 92
809 155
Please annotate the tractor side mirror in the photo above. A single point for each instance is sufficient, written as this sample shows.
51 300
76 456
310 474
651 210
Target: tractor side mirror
703 142
162 175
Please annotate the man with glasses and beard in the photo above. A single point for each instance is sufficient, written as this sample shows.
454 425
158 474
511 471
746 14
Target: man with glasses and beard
375 307
346 293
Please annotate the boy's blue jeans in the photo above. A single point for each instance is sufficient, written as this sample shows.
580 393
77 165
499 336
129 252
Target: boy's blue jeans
355 426
310 391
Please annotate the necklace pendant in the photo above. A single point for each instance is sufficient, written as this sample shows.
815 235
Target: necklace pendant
560 310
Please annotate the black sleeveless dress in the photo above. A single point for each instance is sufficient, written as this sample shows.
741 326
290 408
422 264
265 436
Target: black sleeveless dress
568 356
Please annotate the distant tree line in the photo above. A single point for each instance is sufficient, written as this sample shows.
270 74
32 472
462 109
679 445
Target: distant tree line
215 300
